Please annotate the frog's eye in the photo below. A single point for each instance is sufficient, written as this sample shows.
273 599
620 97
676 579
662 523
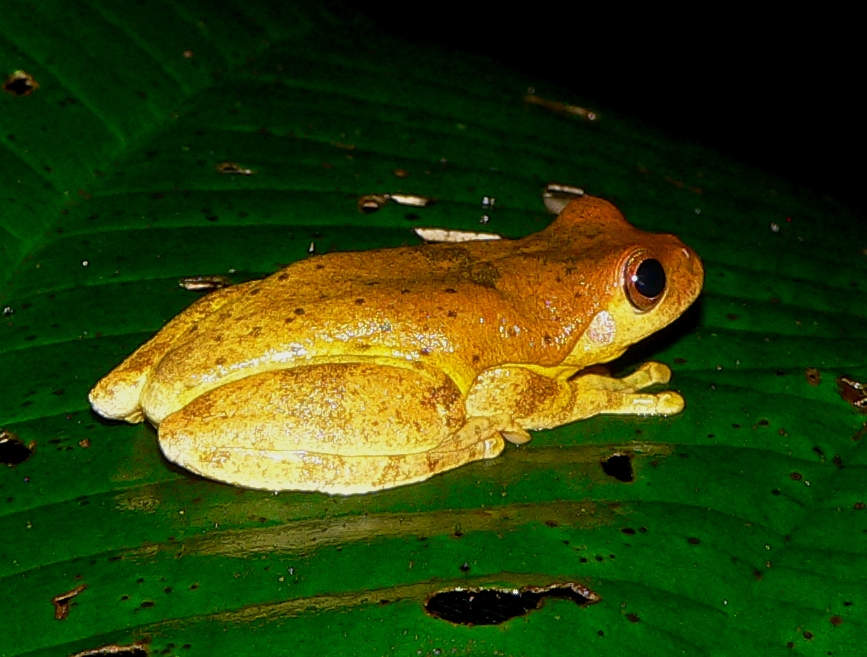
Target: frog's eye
645 281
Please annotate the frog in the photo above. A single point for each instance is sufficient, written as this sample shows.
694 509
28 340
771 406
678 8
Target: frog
354 372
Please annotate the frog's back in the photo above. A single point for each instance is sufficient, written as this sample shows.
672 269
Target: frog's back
448 307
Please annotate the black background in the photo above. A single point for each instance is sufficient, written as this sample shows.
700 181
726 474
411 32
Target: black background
779 91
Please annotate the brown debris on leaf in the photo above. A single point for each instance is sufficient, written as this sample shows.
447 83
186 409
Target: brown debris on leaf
208 283
854 392
61 601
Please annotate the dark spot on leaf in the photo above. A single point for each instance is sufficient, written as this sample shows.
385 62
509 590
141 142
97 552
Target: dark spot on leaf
808 636
796 476
628 531
495 606
693 541
632 618
255 291
299 311
814 378
836 621
359 302
452 313
763 423
619 466
860 506
464 567
736 426
551 523
147 604
283 277
450 290
837 461
58 392
776 491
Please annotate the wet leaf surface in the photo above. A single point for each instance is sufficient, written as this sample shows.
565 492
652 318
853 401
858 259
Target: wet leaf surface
741 528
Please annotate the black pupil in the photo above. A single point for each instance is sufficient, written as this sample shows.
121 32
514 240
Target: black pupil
650 278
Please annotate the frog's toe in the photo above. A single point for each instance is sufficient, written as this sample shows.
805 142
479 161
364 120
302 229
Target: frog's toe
650 373
669 403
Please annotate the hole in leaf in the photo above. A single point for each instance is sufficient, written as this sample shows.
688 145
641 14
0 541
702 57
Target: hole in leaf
20 83
232 168
12 450
494 606
619 466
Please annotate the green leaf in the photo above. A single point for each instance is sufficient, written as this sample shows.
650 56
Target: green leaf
743 530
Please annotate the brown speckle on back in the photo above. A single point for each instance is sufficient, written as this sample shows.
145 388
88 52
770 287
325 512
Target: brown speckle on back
485 274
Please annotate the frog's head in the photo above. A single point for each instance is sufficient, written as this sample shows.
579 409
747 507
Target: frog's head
640 282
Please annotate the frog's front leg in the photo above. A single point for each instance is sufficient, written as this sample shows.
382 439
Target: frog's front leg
341 428
538 401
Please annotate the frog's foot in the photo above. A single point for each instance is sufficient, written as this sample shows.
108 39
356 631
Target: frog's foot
541 402
340 428
605 394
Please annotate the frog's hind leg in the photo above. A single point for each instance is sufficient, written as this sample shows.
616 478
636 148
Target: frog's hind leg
340 428
117 396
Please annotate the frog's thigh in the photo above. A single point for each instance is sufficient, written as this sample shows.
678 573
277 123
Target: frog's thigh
117 395
339 428
540 402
